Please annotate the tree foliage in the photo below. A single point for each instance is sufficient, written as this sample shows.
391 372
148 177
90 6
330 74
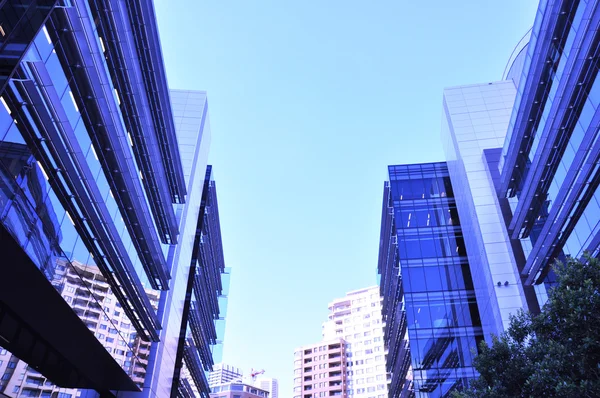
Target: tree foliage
553 354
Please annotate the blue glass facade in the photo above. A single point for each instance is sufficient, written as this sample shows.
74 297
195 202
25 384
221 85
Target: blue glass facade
202 308
548 168
398 360
428 280
102 178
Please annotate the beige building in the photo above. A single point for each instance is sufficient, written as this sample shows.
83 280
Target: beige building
320 370
237 390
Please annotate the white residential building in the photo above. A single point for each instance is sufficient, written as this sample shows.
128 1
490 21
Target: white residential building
357 319
223 373
268 384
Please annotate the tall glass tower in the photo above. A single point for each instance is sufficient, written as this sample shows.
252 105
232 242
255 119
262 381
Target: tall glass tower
103 196
426 282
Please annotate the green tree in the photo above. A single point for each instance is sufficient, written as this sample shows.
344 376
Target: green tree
553 354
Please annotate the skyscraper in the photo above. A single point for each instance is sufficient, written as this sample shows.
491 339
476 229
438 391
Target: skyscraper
105 191
357 318
426 264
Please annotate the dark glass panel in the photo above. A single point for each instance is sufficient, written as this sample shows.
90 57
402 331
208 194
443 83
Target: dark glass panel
416 275
432 278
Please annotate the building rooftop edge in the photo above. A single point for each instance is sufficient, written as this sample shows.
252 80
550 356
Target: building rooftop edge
185 90
449 88
336 340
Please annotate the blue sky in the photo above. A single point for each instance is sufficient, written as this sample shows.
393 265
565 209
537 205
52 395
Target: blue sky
309 102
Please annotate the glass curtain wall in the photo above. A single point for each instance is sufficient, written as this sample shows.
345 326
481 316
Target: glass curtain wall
444 325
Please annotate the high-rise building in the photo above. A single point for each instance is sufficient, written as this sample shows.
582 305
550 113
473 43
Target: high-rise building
425 262
320 370
521 151
223 373
475 122
109 212
522 159
357 319
548 166
269 384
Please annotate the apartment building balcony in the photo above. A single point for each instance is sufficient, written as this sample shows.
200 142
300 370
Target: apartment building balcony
36 379
138 379
335 375
340 311
143 356
140 367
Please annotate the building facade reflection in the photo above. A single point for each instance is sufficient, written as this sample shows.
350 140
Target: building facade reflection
427 265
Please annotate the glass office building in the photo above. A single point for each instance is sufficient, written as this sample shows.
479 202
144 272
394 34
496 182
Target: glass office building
549 163
522 156
102 176
425 276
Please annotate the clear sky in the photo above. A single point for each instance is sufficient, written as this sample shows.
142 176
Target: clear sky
309 102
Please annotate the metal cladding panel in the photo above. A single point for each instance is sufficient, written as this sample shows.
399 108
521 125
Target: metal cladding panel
115 31
201 308
194 365
475 118
102 117
143 23
570 86
556 207
543 56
